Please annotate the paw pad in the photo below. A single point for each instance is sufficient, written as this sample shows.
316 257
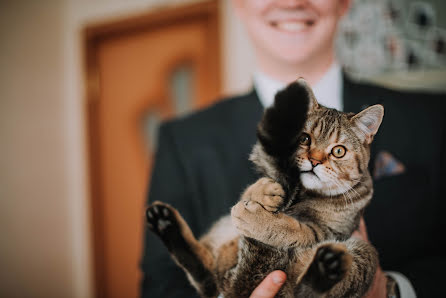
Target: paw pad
329 263
159 218
329 266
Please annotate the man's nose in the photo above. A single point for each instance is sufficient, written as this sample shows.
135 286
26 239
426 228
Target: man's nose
315 162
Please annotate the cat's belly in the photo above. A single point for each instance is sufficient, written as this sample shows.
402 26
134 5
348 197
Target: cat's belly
220 233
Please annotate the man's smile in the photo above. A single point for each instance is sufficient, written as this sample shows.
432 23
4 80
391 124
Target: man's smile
292 26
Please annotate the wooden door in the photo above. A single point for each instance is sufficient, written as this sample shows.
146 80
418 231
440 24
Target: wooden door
140 71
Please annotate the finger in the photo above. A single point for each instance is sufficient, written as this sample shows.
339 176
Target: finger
356 234
379 286
269 287
361 232
363 229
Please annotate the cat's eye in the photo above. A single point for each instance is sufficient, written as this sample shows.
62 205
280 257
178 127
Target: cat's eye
338 151
304 139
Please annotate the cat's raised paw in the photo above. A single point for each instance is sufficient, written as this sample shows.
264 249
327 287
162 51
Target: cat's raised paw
330 264
161 219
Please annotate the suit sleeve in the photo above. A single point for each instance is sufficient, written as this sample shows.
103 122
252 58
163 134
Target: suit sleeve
426 276
161 276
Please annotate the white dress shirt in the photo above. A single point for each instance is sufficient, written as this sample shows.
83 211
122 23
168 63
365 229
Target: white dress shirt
328 90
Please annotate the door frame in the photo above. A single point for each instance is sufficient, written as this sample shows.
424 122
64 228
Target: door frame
93 36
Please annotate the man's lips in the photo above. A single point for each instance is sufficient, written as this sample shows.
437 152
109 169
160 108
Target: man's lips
292 26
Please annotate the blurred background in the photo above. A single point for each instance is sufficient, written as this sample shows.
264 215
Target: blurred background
83 88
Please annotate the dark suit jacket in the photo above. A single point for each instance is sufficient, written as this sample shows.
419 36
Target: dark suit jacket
202 167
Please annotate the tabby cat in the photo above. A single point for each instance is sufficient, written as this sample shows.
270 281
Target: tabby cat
299 217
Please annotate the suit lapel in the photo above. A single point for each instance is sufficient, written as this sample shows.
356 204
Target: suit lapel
238 136
246 115
354 96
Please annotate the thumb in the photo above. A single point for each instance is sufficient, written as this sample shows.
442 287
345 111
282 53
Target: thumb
269 287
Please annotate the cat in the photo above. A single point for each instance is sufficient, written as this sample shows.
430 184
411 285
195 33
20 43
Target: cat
298 217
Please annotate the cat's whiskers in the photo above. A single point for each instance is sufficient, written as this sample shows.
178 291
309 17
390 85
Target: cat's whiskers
358 181
344 194
345 199
347 192
354 193
332 193
351 188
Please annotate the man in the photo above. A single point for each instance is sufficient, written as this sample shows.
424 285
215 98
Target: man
202 166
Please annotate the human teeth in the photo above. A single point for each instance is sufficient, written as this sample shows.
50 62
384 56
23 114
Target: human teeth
291 26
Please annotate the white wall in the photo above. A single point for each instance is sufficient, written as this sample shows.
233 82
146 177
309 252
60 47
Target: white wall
36 246
44 211
237 54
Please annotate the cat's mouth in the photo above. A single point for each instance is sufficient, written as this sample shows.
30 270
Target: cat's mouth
310 172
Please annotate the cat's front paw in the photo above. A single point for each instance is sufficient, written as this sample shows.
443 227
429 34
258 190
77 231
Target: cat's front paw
252 220
267 193
330 265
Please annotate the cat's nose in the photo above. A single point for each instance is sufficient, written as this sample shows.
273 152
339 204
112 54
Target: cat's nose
315 162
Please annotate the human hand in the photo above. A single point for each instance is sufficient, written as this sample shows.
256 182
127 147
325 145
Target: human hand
269 287
379 286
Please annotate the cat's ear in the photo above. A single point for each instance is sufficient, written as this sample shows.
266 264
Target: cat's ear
368 122
312 102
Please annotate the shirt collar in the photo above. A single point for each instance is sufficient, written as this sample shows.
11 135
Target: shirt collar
328 90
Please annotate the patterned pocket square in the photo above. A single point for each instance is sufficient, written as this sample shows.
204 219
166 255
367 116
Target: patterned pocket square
387 165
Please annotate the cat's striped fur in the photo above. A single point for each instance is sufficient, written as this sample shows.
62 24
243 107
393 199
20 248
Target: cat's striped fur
299 217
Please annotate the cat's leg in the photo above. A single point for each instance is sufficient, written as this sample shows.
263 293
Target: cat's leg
330 264
342 269
195 259
255 260
255 216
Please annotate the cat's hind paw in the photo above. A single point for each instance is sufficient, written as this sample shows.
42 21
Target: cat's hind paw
330 264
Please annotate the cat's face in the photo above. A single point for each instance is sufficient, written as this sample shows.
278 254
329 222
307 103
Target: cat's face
326 151
333 151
